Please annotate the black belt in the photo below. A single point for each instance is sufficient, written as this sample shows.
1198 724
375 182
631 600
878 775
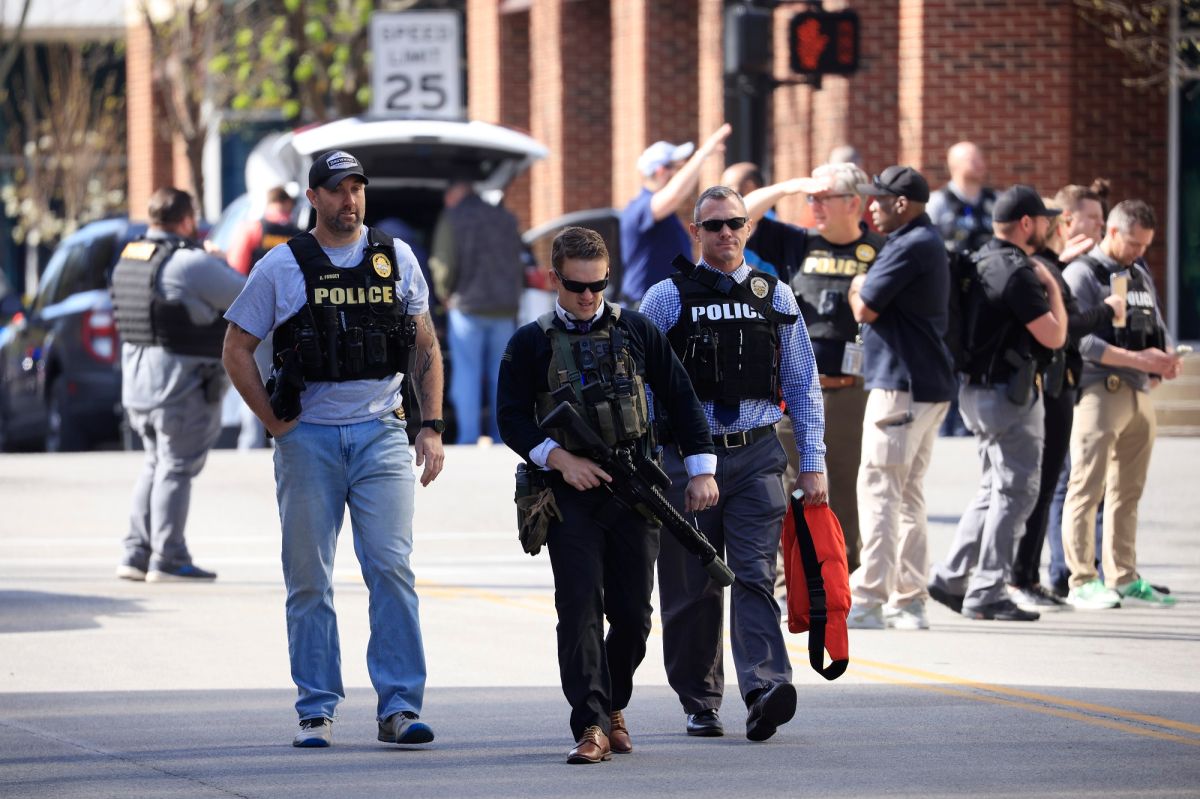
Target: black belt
743 438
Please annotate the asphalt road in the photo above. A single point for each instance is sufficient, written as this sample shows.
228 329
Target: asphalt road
109 688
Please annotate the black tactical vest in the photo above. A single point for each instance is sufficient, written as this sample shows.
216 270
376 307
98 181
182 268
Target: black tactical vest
273 234
822 282
144 317
1141 330
354 326
965 228
727 335
596 374
994 350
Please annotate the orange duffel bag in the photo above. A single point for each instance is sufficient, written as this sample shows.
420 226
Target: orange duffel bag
818 583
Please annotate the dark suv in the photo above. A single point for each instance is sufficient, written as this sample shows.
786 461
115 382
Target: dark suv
60 370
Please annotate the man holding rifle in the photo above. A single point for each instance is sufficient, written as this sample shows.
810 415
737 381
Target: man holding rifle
742 342
597 359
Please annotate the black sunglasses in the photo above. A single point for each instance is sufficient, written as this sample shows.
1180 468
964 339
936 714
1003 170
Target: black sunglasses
578 286
715 225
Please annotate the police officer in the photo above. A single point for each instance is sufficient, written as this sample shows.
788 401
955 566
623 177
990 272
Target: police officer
1012 318
599 357
819 263
349 310
1114 427
168 295
739 335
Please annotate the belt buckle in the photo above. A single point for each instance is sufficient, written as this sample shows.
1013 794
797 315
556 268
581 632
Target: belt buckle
739 436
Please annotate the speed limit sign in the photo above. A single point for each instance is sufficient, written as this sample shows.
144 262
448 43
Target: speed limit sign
416 71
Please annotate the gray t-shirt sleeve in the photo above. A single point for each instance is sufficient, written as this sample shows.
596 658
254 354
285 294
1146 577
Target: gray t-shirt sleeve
1088 294
203 283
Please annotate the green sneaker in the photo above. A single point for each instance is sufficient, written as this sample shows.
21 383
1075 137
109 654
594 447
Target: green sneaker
1093 596
1140 592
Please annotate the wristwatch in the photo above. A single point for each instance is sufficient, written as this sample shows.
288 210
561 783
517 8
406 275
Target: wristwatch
437 425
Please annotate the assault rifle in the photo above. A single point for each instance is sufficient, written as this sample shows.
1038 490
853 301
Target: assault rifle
639 484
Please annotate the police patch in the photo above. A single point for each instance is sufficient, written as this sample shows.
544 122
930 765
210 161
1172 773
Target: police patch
864 253
759 287
383 266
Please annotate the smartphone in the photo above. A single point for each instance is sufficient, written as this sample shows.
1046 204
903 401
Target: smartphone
897 419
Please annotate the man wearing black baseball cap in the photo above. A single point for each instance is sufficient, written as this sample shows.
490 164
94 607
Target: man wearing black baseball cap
1013 320
903 302
331 168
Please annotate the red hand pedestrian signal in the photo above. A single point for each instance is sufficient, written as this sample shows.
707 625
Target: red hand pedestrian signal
824 43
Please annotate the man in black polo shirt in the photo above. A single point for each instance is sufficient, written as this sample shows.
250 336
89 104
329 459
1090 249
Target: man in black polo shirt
907 368
819 264
1012 318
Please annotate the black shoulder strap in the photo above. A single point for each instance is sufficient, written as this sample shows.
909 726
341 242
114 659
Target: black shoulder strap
1099 271
307 250
817 611
724 284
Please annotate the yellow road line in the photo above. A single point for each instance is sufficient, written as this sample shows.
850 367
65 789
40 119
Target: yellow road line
1049 711
1031 695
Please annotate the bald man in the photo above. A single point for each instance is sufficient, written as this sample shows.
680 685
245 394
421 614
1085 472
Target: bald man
962 213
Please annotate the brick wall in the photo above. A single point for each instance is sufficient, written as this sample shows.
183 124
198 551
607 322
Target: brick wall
150 153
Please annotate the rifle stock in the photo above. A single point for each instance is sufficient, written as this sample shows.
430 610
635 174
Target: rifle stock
630 485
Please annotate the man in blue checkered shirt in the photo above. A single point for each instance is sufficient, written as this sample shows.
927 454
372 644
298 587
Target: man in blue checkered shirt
740 336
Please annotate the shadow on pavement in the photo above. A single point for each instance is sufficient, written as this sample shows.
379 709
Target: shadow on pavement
39 611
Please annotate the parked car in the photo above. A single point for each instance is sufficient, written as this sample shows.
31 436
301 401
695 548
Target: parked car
60 370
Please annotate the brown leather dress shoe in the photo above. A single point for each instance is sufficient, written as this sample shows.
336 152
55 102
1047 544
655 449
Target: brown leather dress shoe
618 736
592 747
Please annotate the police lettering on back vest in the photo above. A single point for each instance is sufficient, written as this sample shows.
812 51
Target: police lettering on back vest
727 335
1142 330
598 376
822 283
354 326
144 317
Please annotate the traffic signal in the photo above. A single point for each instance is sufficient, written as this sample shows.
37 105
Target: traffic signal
748 39
824 42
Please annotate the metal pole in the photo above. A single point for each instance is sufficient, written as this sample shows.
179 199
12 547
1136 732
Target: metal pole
1173 88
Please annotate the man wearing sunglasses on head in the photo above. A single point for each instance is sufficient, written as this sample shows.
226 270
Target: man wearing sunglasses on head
818 263
599 358
739 335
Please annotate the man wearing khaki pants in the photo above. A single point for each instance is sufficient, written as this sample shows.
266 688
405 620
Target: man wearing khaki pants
1114 428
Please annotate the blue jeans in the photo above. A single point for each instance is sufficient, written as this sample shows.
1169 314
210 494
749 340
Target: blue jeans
476 344
319 470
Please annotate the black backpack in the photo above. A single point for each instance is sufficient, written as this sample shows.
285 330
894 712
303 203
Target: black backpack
964 280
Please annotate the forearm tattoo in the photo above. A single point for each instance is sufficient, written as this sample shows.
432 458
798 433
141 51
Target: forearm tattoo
428 368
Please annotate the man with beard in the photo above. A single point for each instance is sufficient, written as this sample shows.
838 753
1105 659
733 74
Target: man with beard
1012 318
349 309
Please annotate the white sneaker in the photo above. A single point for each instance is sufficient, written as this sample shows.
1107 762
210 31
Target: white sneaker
127 572
906 617
865 617
1093 596
316 732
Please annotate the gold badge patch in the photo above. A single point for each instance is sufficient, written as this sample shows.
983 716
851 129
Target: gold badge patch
864 253
383 267
759 287
138 250
1112 383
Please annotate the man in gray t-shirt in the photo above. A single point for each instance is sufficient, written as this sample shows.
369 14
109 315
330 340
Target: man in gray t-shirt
168 295
341 300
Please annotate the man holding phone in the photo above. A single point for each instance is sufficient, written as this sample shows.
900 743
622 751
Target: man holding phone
1114 428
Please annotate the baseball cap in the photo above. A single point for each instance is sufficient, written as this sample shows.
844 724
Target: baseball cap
331 168
1018 201
898 181
662 153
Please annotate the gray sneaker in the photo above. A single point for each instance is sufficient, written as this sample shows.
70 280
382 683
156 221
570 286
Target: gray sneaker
404 727
907 617
1036 598
865 617
314 733
131 573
